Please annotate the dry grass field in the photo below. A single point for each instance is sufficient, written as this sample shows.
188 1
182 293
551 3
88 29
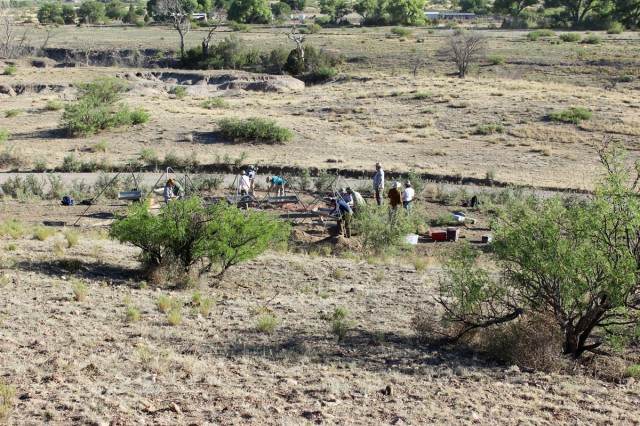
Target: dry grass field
83 339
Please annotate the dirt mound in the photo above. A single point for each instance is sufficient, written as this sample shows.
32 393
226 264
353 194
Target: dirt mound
206 82
341 244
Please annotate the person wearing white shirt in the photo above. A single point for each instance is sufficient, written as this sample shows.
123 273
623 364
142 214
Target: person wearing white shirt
407 196
244 185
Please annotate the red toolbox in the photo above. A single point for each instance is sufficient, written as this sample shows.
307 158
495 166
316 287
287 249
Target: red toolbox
438 235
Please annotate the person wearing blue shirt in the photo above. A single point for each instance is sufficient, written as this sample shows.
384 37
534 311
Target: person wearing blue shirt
344 213
277 183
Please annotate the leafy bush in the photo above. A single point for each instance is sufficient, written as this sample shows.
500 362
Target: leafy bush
570 37
254 129
313 60
70 164
633 370
215 102
320 74
487 129
5 135
380 232
96 109
179 92
238 27
187 233
12 113
132 314
615 28
54 106
312 29
535 35
560 271
573 115
496 59
401 32
10 70
592 39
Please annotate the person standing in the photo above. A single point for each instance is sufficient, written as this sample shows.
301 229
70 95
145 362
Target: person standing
344 213
395 200
407 196
378 183
252 171
244 184
277 183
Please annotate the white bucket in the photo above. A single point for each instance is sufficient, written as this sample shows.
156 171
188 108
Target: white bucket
412 239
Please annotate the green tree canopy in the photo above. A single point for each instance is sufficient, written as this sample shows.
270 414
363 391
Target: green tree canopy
249 11
573 10
48 12
91 12
336 9
406 12
115 10
69 14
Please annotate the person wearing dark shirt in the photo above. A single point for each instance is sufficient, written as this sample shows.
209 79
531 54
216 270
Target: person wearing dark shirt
343 212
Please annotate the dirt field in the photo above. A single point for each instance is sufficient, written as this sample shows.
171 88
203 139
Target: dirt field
86 362
368 113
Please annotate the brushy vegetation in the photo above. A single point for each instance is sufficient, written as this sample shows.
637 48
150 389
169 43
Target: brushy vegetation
80 291
10 70
222 237
487 129
496 59
5 135
266 323
254 129
572 115
382 231
592 39
12 113
401 32
7 399
214 102
535 35
570 37
54 106
615 28
96 109
559 272
340 323
132 314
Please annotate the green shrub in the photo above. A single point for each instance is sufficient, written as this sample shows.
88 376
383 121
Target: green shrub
12 113
132 314
312 29
615 28
254 129
174 316
54 106
222 237
71 237
570 37
96 108
179 92
149 155
382 232
215 102
573 115
164 303
5 135
633 370
535 35
10 70
401 32
592 39
99 146
266 323
487 129
239 27
496 59
319 75
80 291
70 164
41 233
340 323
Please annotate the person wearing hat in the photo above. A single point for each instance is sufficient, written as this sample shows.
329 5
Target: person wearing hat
358 201
378 183
395 200
244 184
276 183
346 196
407 196
343 212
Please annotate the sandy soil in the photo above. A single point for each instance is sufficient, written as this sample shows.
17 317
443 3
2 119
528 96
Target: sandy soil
77 362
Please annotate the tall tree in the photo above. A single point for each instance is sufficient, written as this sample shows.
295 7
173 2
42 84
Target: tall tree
178 12
512 7
574 10
627 12
90 12
406 12
249 11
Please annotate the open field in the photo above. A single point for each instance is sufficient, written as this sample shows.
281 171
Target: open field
374 110
83 362
111 357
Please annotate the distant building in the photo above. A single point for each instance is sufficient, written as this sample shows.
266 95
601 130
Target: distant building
199 16
457 16
432 15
